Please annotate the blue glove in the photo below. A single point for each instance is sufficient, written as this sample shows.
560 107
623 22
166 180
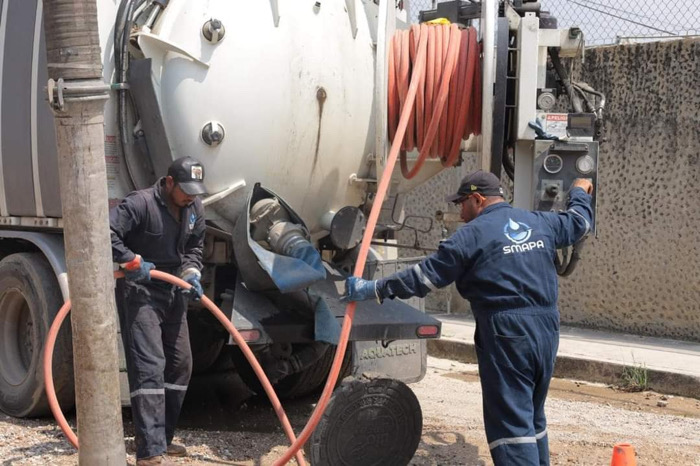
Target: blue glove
538 126
358 289
137 269
192 276
195 293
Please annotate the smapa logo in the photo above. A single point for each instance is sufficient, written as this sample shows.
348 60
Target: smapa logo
519 233
193 220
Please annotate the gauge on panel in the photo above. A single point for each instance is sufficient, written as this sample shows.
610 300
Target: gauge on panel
585 164
553 164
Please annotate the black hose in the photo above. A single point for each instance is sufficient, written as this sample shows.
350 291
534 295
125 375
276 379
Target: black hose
564 78
506 161
121 60
122 34
575 257
508 165
600 104
590 107
116 35
566 265
563 262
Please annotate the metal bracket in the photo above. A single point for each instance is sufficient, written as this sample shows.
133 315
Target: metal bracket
60 91
353 179
224 193
56 102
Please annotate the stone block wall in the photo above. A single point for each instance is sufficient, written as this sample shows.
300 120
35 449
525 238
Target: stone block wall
641 274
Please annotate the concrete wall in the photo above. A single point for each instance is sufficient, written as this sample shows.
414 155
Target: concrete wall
642 273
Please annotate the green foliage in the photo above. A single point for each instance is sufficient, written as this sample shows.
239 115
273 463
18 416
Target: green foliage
635 378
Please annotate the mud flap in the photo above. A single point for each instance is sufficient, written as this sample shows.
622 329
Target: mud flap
404 360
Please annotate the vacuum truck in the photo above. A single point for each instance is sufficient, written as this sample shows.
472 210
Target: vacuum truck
285 106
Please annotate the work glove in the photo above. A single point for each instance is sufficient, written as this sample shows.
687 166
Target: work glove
137 269
192 276
538 126
358 289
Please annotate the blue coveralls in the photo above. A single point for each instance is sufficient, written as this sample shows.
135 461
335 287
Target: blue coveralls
153 315
503 263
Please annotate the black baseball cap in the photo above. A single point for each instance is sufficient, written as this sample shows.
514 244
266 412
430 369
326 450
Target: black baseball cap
484 183
189 175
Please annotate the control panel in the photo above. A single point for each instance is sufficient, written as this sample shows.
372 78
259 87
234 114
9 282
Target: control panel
556 165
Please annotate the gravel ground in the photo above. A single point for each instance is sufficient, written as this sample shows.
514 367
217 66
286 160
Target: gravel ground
585 420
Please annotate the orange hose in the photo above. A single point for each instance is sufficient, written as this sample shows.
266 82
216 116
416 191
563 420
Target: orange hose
448 103
421 32
439 46
65 309
48 374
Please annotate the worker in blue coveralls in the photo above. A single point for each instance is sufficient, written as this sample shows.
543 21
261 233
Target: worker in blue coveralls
502 261
159 227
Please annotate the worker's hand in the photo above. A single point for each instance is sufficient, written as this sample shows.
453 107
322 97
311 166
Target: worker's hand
137 269
357 289
583 183
192 276
195 293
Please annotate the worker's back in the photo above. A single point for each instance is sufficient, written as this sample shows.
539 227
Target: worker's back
508 254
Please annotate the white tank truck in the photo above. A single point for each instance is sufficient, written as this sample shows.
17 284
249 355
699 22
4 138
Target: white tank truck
284 103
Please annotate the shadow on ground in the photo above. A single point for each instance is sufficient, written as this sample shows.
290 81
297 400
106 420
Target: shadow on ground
446 448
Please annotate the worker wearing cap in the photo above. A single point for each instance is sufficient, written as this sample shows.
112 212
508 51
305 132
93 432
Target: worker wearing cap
159 227
502 261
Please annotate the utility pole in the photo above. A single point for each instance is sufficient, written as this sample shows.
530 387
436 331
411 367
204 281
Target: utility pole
78 97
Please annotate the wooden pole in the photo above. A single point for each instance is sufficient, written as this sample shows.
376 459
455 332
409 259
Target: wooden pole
73 52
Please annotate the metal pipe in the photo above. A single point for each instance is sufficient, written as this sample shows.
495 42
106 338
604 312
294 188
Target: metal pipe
155 11
488 33
402 246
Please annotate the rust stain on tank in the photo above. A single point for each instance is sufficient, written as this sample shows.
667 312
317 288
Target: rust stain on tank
321 98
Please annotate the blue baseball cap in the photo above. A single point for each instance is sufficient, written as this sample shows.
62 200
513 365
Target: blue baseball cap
484 183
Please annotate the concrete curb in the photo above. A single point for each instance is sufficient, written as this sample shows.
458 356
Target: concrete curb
590 370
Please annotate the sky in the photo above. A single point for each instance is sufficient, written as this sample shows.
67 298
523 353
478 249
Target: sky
603 21
606 21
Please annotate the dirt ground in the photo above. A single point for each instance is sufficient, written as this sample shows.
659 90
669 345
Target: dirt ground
585 420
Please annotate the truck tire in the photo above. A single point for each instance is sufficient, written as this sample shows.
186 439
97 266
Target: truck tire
368 422
29 300
312 379
306 382
206 340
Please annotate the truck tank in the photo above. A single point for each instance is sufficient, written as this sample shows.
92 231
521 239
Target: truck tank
288 92
278 101
289 89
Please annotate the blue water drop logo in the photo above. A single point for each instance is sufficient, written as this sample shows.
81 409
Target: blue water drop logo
517 232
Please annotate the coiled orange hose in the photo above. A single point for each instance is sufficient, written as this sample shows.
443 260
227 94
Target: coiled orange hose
158 275
448 102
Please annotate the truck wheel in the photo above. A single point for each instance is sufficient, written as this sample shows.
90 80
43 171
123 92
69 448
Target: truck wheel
368 422
206 340
312 379
29 300
306 382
